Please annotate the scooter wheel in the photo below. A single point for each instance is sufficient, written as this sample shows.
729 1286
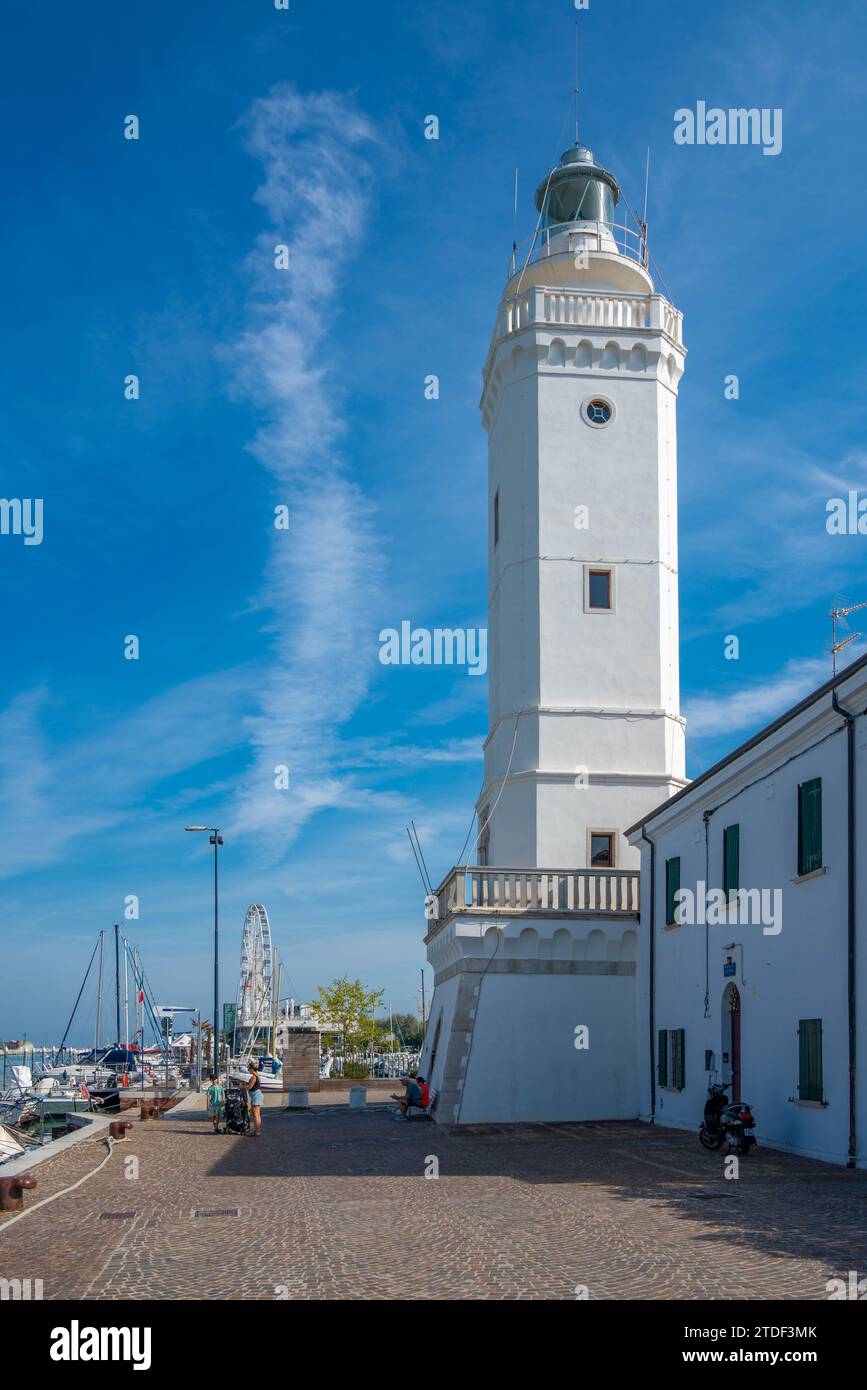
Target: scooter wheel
708 1140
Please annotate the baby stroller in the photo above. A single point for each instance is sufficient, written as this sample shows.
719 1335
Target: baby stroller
237 1114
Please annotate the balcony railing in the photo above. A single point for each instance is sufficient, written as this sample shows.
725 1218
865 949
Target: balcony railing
569 237
583 309
590 892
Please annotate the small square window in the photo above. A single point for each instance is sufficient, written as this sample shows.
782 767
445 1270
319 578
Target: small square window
599 589
601 849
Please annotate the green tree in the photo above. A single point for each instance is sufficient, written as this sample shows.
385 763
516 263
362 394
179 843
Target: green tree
348 1005
407 1030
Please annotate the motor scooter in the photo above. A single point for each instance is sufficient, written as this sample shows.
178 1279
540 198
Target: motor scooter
726 1122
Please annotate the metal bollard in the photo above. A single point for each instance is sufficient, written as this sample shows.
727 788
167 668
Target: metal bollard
146 1109
118 1128
12 1192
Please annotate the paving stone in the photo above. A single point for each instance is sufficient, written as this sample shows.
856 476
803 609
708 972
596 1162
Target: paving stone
334 1204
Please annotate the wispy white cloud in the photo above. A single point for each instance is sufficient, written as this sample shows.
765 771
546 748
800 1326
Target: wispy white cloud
712 715
52 796
383 753
324 571
31 783
465 697
769 533
319 593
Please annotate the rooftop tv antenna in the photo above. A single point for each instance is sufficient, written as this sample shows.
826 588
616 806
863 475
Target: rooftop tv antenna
836 614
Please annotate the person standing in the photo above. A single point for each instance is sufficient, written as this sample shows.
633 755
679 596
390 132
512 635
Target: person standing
254 1095
215 1102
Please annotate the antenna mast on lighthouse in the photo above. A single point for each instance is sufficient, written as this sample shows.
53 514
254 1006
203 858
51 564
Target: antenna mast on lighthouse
577 141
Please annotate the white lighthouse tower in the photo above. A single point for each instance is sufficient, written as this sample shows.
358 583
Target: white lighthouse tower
534 942
579 403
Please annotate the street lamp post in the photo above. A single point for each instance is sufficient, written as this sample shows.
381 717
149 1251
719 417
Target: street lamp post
216 840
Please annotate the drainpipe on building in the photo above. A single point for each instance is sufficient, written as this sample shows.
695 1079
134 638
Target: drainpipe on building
648 841
850 914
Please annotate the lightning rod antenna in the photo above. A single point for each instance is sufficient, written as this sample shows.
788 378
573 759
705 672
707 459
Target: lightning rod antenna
644 214
576 82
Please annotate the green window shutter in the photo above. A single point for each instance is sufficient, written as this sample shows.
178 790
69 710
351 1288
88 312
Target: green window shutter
810 826
662 1058
810 1059
672 886
731 859
679 1037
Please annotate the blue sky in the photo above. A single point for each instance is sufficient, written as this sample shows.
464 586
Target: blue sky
259 647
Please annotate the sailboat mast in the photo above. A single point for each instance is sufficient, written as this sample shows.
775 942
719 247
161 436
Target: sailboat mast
125 994
99 994
117 982
139 995
275 1008
139 1009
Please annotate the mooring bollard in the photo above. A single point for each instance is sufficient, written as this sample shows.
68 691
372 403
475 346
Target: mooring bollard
357 1097
297 1098
12 1192
146 1109
118 1128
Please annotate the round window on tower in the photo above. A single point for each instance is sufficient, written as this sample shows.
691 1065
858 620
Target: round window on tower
598 411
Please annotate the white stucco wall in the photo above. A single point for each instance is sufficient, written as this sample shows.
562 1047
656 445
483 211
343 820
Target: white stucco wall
510 994
585 689
524 1064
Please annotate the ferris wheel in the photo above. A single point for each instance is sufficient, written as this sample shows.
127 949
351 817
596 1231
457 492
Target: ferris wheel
254 1013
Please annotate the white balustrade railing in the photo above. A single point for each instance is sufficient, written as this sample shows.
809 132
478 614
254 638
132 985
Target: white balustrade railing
579 309
592 891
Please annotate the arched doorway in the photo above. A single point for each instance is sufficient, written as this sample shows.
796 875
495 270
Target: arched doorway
731 1039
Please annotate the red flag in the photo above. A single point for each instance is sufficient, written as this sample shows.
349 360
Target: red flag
141 996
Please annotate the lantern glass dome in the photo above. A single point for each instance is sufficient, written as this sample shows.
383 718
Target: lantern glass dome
578 190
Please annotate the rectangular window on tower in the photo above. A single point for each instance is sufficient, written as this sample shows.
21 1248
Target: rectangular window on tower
601 849
598 589
497 517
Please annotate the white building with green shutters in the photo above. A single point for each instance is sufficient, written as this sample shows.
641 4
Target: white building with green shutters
753 932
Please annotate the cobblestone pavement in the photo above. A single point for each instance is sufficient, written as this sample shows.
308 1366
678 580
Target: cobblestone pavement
333 1204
